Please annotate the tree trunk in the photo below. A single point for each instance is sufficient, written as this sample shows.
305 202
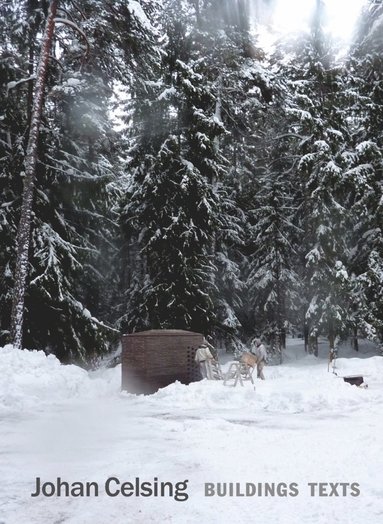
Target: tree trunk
313 343
218 116
331 338
197 12
306 332
24 229
30 71
283 338
279 315
356 344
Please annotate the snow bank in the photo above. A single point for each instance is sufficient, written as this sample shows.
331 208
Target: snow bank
302 424
304 386
30 379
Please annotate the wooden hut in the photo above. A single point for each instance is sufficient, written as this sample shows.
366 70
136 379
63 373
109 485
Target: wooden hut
156 358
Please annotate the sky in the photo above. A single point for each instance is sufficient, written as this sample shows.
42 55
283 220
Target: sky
281 17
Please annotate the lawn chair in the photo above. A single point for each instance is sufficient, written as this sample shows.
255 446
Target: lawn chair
213 370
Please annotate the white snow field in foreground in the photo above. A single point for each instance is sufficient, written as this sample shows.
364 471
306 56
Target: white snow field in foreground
302 425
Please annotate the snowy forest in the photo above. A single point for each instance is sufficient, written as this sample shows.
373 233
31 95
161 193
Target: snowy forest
167 169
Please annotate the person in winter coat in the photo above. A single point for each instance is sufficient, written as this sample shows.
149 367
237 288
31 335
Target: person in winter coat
259 350
203 358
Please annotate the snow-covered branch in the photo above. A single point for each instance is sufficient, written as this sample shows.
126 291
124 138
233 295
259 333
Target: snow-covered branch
74 26
13 84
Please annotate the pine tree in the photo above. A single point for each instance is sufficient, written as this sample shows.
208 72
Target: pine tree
196 102
72 245
317 110
365 70
242 90
170 210
273 280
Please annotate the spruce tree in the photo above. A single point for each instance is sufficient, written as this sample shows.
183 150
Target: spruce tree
72 244
316 108
365 72
171 210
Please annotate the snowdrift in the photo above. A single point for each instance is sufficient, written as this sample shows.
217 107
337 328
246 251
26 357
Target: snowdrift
31 379
304 387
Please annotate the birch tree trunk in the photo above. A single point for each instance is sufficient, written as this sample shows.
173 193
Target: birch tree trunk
24 229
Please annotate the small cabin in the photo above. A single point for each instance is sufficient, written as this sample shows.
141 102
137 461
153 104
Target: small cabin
154 359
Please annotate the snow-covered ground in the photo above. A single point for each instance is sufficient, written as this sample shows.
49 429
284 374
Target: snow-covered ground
302 425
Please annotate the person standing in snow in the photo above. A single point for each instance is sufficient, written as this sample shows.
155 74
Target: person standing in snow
259 350
203 358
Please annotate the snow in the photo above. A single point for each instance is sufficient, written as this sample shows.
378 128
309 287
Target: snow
13 84
377 25
30 380
139 13
321 145
167 93
333 168
341 271
70 86
303 424
365 147
73 81
190 166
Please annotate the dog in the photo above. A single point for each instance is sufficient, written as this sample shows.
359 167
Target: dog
249 359
253 361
